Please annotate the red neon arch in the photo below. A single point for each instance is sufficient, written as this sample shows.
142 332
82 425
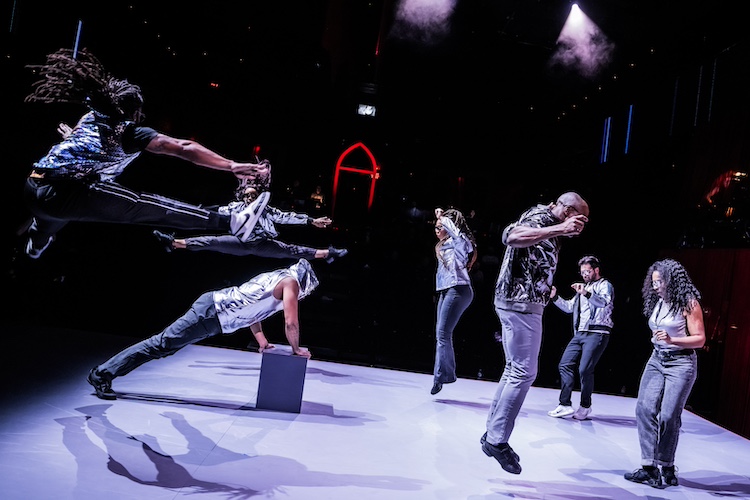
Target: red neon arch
372 171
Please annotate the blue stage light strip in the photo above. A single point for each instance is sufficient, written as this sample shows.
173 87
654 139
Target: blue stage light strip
630 123
605 140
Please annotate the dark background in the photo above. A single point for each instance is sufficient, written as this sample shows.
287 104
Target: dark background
470 114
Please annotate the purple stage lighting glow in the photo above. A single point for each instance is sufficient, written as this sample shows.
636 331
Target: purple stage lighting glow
425 21
581 45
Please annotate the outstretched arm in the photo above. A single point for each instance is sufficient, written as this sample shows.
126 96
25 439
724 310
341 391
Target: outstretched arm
198 154
321 222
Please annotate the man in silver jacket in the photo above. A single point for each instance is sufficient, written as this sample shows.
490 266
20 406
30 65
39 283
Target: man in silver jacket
218 312
258 234
591 307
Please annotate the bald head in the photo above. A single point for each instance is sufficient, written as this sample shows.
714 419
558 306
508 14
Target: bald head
572 200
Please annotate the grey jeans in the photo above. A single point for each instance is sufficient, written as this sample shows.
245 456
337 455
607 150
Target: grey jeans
198 323
522 340
451 305
662 394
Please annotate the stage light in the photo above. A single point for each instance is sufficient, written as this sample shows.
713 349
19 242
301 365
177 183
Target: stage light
366 110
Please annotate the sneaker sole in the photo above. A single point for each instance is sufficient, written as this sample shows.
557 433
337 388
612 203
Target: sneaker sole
246 228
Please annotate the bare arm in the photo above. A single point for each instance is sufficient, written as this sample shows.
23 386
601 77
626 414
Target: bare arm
260 337
525 236
696 329
321 222
198 154
290 289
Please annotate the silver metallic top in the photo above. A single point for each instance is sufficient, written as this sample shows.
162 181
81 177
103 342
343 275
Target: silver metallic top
265 227
453 258
93 147
674 324
592 314
253 301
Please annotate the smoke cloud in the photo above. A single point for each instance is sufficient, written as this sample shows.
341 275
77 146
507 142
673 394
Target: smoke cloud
423 21
581 46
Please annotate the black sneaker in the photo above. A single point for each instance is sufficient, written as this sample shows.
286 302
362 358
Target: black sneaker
669 474
650 477
35 253
515 455
102 384
504 456
165 239
336 253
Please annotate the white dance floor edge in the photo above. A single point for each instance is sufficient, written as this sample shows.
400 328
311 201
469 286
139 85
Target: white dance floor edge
186 427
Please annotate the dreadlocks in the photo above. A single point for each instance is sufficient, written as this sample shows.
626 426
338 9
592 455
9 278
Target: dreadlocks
83 80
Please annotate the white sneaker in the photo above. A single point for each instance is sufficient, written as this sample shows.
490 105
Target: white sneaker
581 413
561 411
243 222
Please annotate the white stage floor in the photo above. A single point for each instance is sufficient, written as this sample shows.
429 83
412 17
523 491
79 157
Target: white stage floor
186 427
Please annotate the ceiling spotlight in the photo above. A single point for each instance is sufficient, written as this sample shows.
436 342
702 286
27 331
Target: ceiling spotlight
366 110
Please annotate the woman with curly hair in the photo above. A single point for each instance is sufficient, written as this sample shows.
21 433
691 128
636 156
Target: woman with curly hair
75 180
456 253
671 302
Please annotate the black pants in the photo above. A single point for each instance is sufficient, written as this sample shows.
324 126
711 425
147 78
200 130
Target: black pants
232 245
55 202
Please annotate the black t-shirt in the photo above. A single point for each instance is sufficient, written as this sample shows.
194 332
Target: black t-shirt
136 139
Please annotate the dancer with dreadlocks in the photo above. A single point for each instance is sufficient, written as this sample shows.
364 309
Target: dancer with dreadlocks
456 252
76 179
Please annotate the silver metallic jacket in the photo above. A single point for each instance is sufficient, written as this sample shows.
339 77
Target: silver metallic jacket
601 304
674 324
93 147
265 228
241 306
453 258
525 277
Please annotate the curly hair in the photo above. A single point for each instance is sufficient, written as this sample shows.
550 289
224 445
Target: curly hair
83 80
460 221
681 293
